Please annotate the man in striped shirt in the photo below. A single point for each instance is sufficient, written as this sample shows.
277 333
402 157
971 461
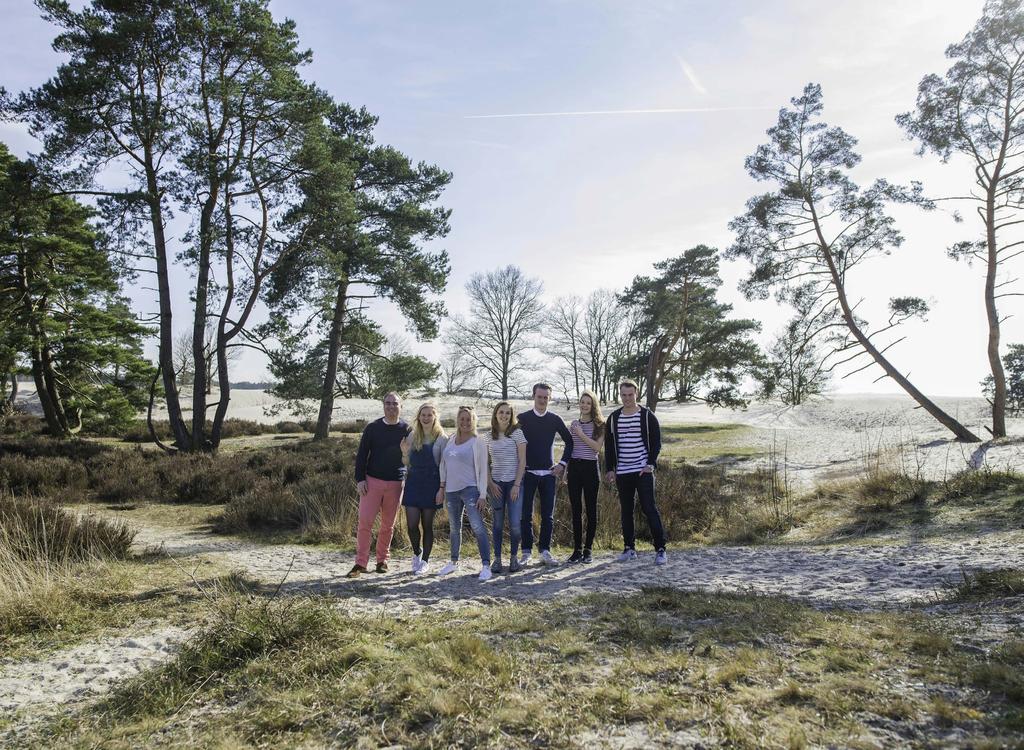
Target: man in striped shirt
632 442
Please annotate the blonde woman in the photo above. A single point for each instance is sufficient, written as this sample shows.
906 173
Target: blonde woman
464 481
506 445
421 452
584 474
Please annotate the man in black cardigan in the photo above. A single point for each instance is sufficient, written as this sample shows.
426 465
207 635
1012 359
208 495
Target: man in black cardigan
632 442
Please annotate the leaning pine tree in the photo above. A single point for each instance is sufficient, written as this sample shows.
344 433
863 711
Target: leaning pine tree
977 110
818 224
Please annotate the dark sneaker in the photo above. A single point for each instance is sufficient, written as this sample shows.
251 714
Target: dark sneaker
576 557
514 566
357 570
496 567
382 567
587 557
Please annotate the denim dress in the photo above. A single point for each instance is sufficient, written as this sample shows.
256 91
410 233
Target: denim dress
422 479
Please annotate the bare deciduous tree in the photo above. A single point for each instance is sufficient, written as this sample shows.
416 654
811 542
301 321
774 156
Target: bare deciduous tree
495 336
564 330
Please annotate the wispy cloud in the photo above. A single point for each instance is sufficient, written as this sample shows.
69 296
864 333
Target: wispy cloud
674 110
691 75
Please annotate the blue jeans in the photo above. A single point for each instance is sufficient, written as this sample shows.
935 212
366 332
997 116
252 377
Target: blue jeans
514 506
546 484
465 500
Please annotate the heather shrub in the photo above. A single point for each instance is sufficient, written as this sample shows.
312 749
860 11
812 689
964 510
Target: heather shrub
24 475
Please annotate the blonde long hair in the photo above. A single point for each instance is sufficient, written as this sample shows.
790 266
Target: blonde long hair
419 436
595 413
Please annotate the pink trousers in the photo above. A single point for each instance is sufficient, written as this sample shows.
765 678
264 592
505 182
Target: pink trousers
381 497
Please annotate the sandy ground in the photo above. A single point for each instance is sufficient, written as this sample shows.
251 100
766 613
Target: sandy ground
857 577
830 437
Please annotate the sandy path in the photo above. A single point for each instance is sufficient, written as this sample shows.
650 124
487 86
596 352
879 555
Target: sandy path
858 577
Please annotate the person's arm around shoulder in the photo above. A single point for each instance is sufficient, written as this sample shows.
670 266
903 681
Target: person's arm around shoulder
654 442
480 456
610 458
566 436
492 487
521 465
442 470
362 458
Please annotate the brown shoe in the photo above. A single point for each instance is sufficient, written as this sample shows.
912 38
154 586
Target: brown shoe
357 570
382 567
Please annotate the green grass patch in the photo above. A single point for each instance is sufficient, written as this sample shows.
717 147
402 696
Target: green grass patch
745 671
985 585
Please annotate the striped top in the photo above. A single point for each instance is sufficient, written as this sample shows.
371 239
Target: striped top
505 455
632 454
579 448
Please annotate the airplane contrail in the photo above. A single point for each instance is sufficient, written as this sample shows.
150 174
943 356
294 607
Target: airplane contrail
685 110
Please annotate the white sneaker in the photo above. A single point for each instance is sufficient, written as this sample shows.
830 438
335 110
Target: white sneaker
423 568
547 559
627 555
525 559
661 558
485 573
449 567
416 562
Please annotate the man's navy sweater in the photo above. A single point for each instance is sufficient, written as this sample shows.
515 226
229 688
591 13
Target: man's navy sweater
540 432
380 451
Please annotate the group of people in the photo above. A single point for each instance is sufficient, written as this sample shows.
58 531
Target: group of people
421 468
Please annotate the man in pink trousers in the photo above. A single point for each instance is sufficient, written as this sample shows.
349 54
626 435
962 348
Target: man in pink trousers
379 474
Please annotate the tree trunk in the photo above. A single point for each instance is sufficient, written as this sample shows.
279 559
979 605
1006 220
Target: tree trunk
961 432
13 395
323 421
651 380
995 363
199 386
165 354
53 424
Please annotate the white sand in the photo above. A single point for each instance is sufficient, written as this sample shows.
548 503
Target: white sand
85 671
828 437
861 577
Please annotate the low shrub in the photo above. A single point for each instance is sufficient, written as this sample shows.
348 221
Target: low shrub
290 428
981 483
202 478
33 529
23 475
123 476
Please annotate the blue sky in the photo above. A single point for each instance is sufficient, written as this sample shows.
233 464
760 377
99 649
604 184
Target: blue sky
590 200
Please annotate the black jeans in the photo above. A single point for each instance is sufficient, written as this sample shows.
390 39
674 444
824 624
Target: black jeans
584 480
631 485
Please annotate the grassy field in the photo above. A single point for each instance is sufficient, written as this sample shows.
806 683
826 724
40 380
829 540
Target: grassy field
658 668
653 669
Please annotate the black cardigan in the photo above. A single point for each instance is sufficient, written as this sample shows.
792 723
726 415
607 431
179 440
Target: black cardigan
650 432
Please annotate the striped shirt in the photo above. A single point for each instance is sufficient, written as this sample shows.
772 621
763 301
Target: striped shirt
579 448
505 455
632 454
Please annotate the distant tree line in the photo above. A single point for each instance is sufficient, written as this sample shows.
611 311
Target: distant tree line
196 113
